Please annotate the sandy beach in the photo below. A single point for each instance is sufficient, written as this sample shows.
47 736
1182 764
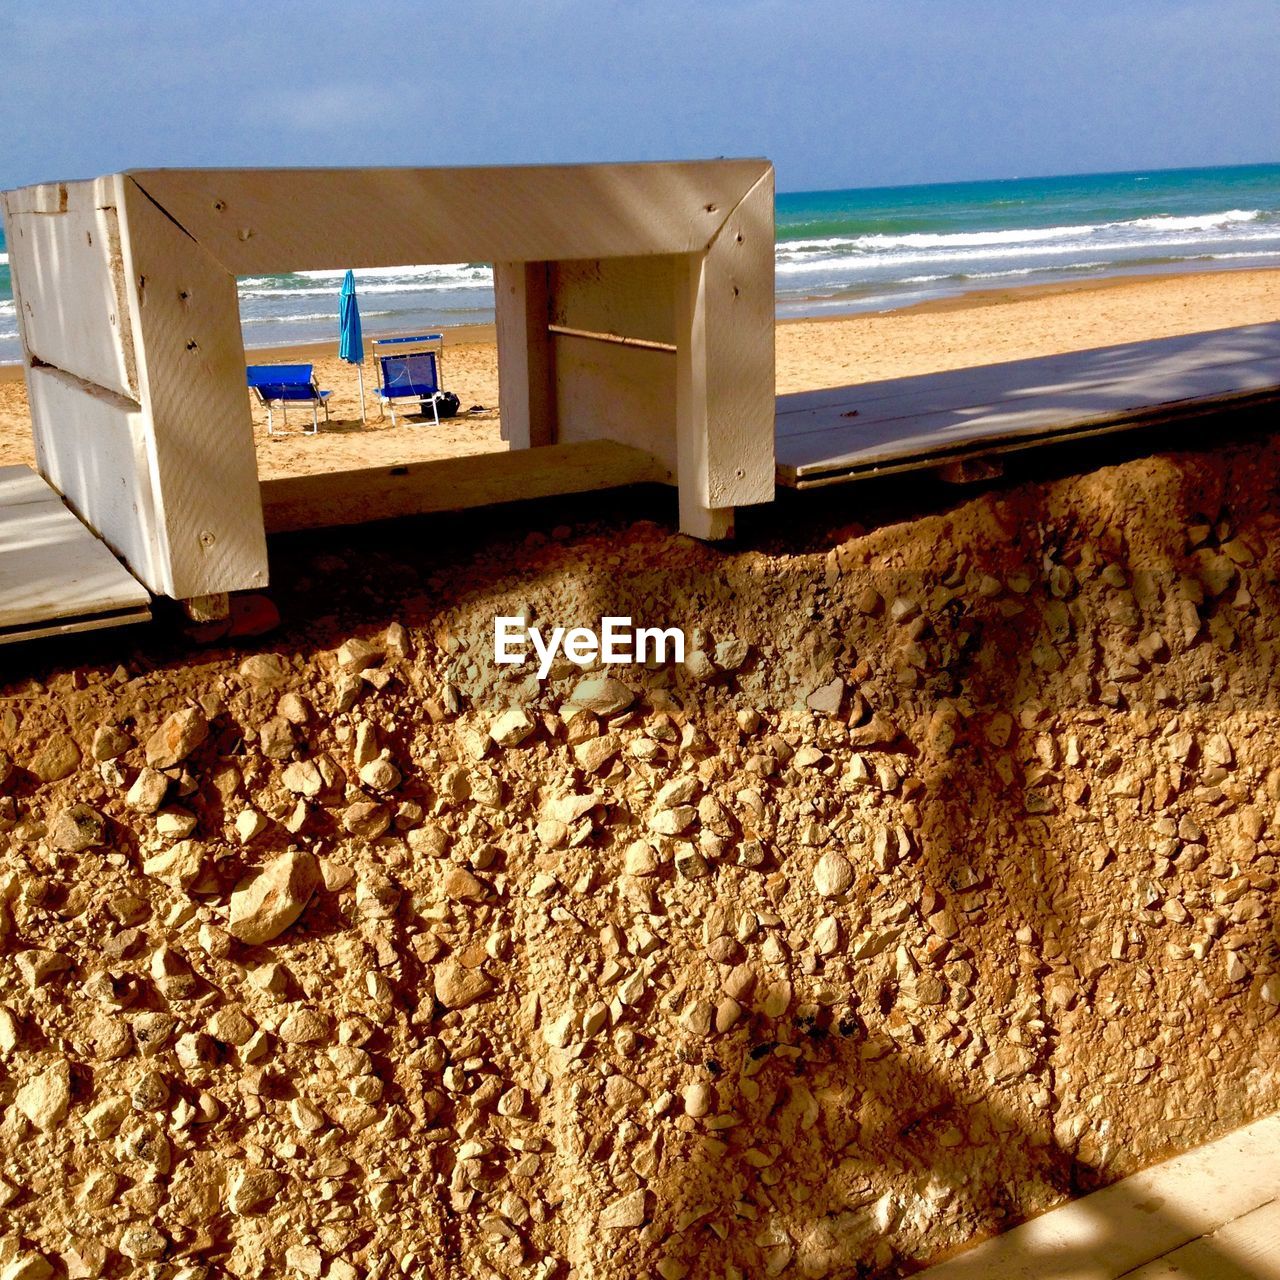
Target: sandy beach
978 328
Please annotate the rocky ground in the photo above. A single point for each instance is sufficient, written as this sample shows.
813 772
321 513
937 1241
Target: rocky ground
935 886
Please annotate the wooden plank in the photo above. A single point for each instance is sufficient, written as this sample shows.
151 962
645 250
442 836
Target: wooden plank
262 220
611 392
984 395
51 567
740 353
1010 432
993 383
725 370
1246 1249
453 484
693 421
73 626
70 288
526 369
91 447
20 486
936 415
198 429
39 197
856 425
624 297
55 197
1137 1220
984 447
76 321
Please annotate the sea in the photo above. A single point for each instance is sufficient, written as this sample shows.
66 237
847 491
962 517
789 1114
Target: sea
864 249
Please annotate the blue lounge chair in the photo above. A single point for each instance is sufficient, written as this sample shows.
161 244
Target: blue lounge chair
409 369
281 383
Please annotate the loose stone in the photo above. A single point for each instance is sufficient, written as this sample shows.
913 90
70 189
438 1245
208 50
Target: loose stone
833 875
177 738
264 905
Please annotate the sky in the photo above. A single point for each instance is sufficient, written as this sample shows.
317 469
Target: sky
837 93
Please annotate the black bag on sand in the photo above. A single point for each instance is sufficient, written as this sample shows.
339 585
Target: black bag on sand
446 404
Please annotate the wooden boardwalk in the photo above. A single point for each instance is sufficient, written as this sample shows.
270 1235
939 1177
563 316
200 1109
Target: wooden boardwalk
847 433
55 575
1212 1214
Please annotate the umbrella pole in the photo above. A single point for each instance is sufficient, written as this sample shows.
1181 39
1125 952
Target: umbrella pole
360 377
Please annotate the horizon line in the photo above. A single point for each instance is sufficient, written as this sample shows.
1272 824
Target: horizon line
1032 177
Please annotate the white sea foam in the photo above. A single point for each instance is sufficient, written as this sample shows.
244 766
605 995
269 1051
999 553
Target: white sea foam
1226 257
429 271
372 281
1134 232
948 240
306 317
848 262
311 291
1001 275
4 259
1203 222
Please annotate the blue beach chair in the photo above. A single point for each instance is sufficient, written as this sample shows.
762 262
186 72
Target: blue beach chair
408 370
281 383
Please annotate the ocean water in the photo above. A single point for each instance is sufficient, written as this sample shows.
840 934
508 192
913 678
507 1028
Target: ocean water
869 249
888 247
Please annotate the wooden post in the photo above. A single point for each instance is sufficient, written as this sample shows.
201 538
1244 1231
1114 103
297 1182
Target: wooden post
526 372
697 517
725 370
186 324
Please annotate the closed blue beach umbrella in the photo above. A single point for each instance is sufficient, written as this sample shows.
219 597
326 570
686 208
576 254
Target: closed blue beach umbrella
350 338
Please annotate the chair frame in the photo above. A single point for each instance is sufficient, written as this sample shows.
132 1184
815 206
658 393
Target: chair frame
263 385
408 345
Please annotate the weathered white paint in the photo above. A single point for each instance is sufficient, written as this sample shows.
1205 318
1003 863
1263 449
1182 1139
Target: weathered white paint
262 220
55 576
100 465
738 354
626 297
622 393
453 484
67 265
526 375
724 373
186 320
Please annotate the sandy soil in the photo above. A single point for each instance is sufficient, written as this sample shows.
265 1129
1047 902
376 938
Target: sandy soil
980 328
935 886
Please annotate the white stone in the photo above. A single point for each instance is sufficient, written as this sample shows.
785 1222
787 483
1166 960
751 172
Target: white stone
833 874
44 1099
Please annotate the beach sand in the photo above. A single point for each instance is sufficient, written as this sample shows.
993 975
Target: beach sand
978 328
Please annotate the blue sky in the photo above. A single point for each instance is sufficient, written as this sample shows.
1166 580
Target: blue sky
836 92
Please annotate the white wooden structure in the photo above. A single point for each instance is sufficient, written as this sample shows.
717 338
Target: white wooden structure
1211 1214
876 428
635 333
55 576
